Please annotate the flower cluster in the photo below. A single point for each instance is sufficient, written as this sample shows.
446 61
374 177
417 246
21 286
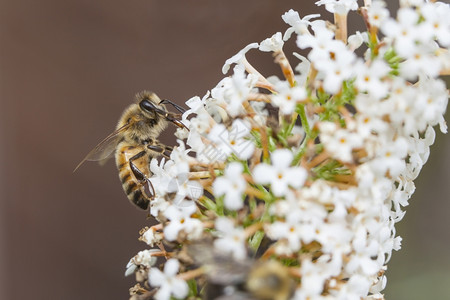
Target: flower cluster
300 178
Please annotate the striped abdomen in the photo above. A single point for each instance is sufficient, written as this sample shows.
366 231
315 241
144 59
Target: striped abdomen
132 173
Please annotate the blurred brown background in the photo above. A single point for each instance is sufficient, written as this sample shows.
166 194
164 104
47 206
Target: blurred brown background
68 69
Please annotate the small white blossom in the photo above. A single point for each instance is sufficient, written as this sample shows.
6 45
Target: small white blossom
288 97
404 3
301 221
365 248
298 25
231 239
341 7
437 23
377 13
356 288
152 237
315 274
181 221
356 40
321 43
336 68
236 141
232 91
232 185
339 142
167 281
391 158
280 174
238 58
404 31
369 78
421 61
303 68
273 44
143 258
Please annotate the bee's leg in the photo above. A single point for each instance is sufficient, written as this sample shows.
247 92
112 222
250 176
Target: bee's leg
138 173
162 149
174 118
177 107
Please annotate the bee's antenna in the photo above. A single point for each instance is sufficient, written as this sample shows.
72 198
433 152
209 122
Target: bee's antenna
177 107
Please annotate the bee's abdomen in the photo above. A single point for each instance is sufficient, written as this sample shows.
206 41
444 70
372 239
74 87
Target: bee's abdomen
133 188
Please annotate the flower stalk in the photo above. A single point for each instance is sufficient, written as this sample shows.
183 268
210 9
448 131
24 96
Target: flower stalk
304 175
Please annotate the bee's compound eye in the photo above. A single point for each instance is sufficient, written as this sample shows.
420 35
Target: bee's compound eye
147 105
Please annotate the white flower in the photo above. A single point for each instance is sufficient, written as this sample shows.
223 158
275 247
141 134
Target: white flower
143 258
356 288
231 239
238 58
339 143
172 177
321 43
288 97
391 158
421 61
431 100
300 225
404 31
151 236
341 7
365 248
157 205
315 274
404 3
234 141
232 91
369 78
377 13
280 174
232 185
335 237
167 281
184 189
303 69
298 25
437 22
181 221
336 68
202 121
273 44
356 40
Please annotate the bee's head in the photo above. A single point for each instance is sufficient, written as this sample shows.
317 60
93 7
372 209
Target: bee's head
153 108
150 105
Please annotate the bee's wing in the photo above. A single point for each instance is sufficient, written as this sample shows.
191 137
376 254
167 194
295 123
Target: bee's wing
106 147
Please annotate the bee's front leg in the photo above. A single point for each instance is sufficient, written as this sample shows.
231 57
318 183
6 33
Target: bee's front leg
161 149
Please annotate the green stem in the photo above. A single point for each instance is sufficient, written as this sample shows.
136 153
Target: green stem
219 206
291 126
301 151
257 238
302 112
208 203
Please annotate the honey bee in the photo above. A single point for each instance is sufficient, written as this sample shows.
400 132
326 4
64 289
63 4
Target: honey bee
135 142
229 279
